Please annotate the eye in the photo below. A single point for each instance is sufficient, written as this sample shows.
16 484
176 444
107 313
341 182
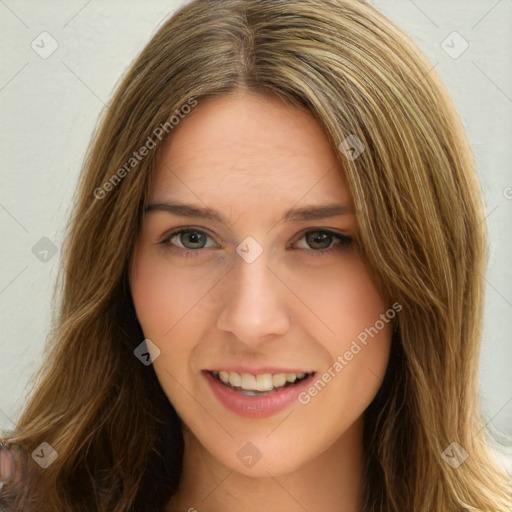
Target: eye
189 239
323 241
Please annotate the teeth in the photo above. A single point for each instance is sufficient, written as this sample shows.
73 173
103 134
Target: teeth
262 382
248 381
235 379
279 379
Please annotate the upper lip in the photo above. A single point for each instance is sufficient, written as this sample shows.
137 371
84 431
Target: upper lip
257 371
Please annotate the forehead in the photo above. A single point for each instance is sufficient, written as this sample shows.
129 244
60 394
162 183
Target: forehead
252 148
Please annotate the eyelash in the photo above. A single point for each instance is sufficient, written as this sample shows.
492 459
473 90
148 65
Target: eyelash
345 241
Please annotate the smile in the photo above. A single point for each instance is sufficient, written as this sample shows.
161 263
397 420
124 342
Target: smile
258 385
257 396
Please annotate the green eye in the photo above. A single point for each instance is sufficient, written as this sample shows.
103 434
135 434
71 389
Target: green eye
191 239
322 241
319 239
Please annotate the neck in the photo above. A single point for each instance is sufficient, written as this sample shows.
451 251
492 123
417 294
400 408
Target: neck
331 482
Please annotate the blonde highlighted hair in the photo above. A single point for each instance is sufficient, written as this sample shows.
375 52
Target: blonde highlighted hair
420 221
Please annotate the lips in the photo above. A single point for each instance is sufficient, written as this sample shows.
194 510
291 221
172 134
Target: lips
252 402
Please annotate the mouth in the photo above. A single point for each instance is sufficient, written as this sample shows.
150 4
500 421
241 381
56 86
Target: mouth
258 385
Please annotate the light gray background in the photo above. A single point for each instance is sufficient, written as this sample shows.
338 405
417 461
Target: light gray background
49 108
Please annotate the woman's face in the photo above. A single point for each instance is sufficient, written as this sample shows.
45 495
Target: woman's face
246 271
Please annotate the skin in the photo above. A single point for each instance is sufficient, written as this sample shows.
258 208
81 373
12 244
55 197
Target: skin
251 158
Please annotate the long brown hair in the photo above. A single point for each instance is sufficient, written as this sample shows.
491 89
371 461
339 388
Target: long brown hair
419 215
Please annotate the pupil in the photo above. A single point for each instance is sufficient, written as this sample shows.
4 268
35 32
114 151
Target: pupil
321 238
193 240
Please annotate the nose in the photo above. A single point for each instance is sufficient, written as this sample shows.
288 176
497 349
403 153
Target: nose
253 306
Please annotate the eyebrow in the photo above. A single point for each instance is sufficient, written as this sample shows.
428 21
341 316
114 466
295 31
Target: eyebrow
315 212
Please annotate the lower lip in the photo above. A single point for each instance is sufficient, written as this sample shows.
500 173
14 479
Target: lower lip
256 406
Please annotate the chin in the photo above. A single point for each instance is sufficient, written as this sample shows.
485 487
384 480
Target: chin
261 457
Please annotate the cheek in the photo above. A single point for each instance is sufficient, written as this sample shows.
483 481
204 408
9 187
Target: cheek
167 303
355 310
363 337
343 297
165 297
359 304
358 341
